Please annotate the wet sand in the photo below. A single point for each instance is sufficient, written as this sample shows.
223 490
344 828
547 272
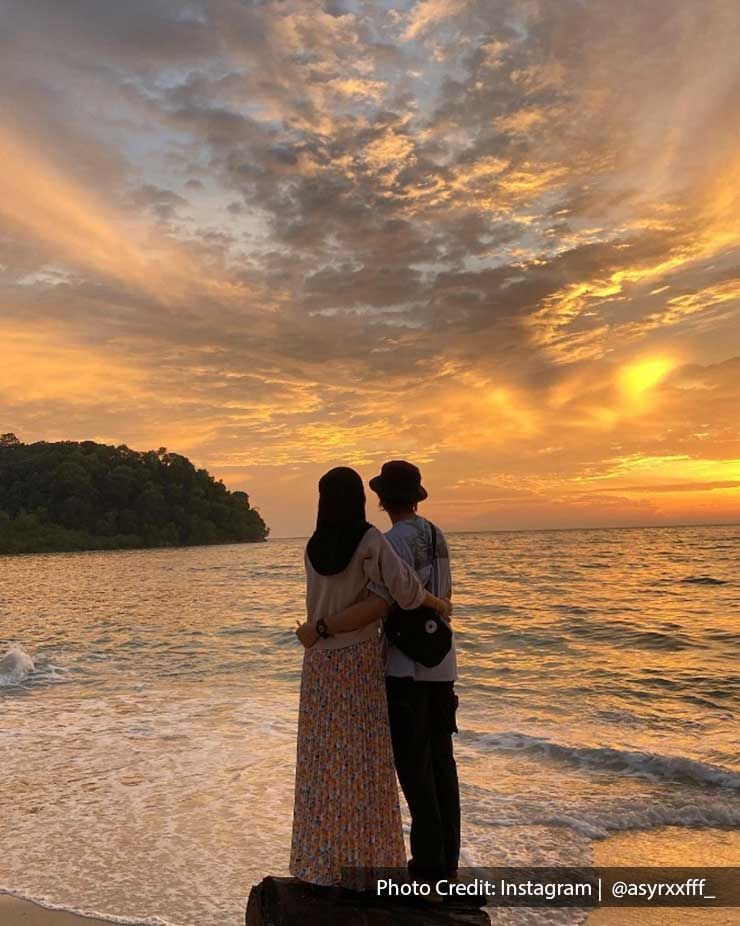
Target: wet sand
14 912
671 846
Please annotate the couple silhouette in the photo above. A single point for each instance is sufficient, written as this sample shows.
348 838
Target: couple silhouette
366 707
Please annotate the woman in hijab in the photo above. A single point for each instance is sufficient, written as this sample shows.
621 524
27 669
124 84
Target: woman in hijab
346 811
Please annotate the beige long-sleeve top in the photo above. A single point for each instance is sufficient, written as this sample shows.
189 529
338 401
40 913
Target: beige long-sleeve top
374 560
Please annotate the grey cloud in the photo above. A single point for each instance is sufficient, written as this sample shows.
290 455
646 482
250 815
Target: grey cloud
142 35
163 203
240 94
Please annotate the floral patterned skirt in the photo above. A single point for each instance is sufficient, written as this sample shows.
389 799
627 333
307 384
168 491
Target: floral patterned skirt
346 809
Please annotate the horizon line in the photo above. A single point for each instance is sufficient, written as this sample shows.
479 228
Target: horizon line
540 530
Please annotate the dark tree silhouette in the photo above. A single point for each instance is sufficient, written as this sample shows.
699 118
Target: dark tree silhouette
89 496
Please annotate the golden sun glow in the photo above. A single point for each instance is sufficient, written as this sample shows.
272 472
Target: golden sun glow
638 377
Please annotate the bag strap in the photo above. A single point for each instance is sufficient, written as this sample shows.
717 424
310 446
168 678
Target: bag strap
434 557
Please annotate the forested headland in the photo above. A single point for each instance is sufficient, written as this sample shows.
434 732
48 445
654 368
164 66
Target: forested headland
88 496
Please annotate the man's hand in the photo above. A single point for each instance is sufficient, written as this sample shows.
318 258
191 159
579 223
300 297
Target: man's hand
444 608
306 633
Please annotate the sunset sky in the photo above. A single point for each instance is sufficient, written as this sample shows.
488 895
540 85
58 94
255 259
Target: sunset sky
500 239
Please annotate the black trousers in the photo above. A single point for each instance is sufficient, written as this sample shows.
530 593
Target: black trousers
422 720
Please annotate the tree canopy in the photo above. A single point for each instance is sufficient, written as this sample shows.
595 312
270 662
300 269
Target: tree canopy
88 496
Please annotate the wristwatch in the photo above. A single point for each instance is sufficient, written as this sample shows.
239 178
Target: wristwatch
321 629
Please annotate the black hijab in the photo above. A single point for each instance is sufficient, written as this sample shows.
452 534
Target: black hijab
340 524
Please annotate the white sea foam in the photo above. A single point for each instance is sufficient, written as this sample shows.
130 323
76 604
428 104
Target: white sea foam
15 666
643 816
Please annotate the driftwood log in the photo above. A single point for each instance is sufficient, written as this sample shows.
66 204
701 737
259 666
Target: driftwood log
288 902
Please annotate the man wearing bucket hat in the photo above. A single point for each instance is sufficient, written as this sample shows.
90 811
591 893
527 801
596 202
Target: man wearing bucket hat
421 699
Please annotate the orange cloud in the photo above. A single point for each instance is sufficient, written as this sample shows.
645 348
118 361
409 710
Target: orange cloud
84 234
42 364
40 202
428 13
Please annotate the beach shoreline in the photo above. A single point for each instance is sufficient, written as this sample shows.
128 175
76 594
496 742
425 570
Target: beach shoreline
669 846
17 911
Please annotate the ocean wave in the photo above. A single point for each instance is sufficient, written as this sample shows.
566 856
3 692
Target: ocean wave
20 670
613 812
599 822
643 816
665 636
15 666
608 759
703 580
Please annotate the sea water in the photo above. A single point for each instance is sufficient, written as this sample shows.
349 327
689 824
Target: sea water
147 739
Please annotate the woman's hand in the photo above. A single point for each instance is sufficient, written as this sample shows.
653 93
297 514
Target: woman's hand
443 606
306 633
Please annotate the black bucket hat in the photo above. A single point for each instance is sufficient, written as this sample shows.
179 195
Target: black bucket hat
399 481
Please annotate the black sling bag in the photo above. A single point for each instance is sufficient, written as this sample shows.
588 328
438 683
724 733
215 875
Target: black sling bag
420 633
